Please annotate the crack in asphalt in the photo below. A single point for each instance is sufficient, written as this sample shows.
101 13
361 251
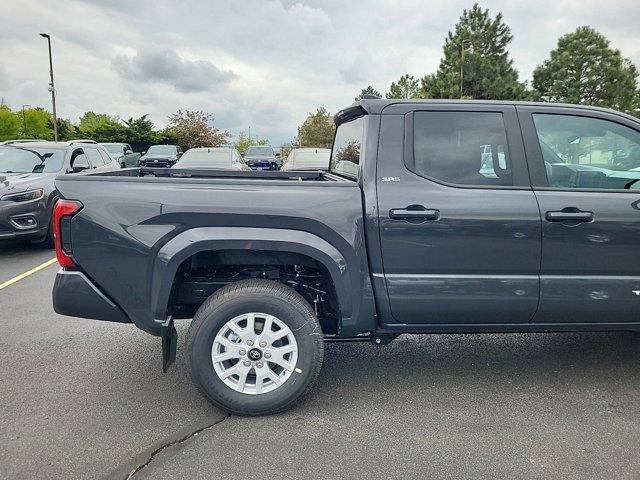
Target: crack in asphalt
171 443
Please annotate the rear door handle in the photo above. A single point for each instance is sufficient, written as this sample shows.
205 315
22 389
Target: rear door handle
406 214
565 216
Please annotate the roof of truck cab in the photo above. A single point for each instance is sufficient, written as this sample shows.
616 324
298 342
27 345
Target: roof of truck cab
376 106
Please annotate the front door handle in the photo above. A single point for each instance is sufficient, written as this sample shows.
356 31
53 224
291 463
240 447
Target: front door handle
565 215
411 214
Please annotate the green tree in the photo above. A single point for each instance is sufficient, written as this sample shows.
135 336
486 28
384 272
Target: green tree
369 90
584 69
244 141
139 133
66 129
475 61
407 87
36 123
101 128
10 128
317 130
193 128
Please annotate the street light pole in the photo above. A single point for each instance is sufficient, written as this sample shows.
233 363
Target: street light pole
52 89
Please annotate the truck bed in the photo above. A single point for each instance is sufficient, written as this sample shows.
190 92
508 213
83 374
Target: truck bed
135 224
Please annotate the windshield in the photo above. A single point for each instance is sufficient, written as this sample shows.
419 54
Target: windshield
310 158
32 160
161 150
113 147
345 156
205 157
260 151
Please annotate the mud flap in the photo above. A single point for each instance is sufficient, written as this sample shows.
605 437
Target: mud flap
169 338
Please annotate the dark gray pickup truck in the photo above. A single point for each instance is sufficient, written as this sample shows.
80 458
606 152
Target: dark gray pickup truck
434 217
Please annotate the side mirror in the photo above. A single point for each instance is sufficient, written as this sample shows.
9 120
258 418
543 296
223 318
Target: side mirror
143 152
80 163
179 154
128 152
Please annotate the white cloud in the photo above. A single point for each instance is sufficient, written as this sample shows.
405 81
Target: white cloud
166 66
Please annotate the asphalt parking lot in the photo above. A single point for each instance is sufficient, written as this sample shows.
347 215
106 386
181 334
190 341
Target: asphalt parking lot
87 399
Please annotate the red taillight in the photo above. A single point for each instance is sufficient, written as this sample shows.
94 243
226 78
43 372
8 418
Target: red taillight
62 209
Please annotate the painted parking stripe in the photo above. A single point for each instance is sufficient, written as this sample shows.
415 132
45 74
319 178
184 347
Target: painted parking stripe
26 274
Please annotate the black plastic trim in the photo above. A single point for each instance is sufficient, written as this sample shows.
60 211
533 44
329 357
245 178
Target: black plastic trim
75 295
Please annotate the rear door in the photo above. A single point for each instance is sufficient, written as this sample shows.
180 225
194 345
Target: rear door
459 224
584 164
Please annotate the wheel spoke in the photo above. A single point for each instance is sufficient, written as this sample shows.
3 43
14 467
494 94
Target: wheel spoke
277 357
228 355
268 325
260 377
275 378
226 343
242 378
235 329
251 325
238 369
272 337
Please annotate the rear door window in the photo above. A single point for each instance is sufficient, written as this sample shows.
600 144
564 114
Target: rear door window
461 148
105 156
94 157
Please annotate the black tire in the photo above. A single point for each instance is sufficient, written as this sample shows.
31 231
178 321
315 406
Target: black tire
246 296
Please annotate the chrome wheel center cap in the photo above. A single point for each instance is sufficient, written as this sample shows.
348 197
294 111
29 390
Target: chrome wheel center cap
255 354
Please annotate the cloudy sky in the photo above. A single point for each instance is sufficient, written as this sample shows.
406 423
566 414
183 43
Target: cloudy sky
258 63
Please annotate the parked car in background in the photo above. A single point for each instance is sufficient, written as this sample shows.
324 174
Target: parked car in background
212 158
123 153
27 191
24 140
307 159
261 158
160 156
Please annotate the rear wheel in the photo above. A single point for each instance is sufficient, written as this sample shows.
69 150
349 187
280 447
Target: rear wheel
254 347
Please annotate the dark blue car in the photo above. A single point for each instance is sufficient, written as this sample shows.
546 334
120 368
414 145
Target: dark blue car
261 158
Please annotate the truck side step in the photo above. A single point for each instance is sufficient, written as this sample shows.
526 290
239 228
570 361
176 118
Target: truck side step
377 338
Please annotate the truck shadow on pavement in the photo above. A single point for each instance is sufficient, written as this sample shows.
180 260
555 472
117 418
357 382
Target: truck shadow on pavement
424 367
434 404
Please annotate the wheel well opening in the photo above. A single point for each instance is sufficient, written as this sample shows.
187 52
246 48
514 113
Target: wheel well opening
200 275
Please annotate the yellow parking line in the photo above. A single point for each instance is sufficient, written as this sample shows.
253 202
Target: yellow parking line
26 274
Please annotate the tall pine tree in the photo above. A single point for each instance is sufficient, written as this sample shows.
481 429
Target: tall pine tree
476 62
369 90
584 69
407 87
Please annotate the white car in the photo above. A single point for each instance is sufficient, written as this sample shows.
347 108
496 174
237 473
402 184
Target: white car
214 158
307 159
